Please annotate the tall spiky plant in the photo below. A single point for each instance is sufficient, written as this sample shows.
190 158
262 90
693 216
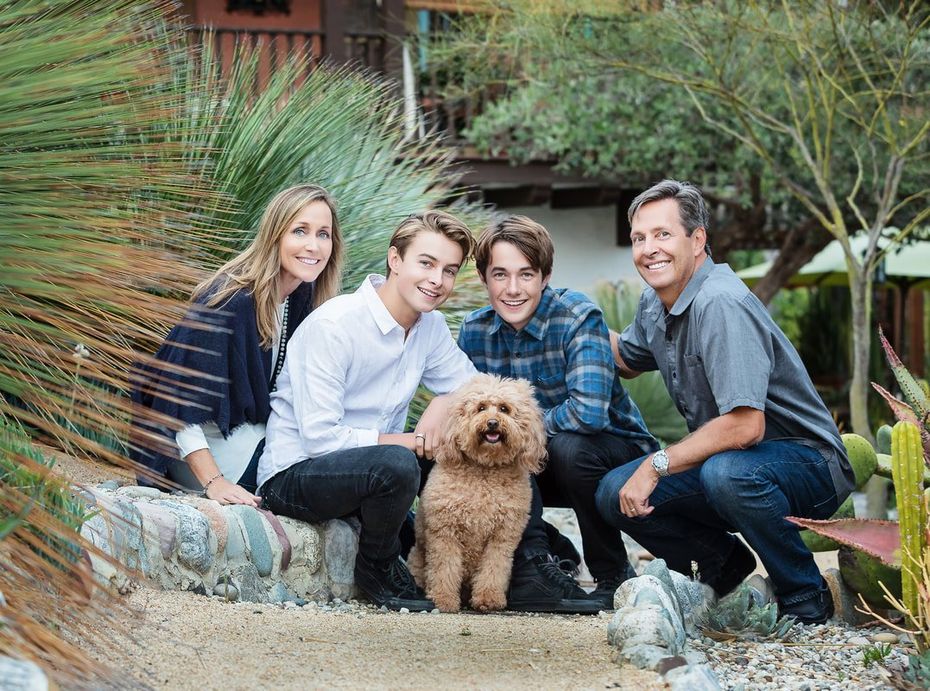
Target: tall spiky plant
335 126
87 186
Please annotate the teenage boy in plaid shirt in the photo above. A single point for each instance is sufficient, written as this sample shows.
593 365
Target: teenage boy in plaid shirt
558 341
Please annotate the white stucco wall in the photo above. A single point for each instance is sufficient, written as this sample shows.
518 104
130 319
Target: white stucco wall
586 249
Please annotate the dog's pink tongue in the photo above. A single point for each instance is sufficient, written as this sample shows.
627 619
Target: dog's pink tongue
492 437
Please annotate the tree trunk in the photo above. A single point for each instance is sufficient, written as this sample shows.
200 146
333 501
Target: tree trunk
860 287
799 246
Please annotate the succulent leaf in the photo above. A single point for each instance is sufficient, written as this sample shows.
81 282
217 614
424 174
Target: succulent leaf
880 539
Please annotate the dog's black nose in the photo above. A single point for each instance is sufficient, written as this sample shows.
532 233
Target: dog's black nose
493 424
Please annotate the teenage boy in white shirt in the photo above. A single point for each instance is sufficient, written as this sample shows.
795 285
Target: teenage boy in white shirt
335 441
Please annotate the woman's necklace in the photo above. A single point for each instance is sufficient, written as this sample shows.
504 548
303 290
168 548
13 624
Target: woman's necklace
282 349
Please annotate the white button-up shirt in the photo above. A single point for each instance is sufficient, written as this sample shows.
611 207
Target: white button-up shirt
350 375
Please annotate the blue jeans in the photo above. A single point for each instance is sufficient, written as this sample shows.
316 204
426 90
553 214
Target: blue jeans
747 491
375 483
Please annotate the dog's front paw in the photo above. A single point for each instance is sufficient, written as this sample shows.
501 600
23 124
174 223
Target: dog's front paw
488 601
446 603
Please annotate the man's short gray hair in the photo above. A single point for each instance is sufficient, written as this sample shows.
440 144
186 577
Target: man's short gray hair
691 205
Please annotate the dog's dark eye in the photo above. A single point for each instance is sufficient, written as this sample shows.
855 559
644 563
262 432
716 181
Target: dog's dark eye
503 409
482 407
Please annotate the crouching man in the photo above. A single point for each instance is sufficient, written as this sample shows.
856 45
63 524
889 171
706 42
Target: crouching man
762 445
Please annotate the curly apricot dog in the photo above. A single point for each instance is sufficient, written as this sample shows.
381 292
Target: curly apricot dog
477 498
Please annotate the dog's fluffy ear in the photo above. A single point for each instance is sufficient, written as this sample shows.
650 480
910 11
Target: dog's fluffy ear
534 454
450 446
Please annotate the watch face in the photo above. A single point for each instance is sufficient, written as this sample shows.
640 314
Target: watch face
660 462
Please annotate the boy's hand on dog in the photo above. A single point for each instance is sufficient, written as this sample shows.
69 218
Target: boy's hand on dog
634 495
428 432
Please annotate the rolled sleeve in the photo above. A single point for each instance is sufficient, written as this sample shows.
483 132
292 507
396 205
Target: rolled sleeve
447 366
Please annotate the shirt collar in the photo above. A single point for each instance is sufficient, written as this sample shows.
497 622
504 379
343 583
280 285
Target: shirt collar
538 323
694 286
369 291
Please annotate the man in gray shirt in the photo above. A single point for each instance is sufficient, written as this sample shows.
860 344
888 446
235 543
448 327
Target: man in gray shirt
762 444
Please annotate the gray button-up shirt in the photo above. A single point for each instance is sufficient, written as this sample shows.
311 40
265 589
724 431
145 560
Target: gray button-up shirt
719 349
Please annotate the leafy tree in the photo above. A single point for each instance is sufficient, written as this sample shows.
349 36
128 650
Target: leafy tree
825 102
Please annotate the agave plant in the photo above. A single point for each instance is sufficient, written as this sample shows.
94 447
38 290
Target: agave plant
738 616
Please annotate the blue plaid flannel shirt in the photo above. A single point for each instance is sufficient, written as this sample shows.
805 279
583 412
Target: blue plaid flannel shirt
564 352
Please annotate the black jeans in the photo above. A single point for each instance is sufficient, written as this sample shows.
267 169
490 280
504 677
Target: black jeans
376 483
576 464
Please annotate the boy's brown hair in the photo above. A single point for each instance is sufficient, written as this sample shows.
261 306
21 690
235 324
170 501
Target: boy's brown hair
440 222
528 236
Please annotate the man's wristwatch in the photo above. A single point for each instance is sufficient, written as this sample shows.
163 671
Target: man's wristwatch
660 463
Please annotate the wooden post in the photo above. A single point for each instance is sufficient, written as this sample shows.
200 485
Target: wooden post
334 30
394 32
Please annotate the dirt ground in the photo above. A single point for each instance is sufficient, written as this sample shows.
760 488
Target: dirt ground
187 641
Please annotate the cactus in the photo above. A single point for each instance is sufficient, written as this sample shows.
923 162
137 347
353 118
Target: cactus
883 439
861 457
913 392
907 466
917 408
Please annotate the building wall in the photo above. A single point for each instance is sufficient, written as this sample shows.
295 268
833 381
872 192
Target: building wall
304 14
586 250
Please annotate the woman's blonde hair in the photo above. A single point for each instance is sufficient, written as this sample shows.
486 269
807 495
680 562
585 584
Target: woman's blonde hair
258 269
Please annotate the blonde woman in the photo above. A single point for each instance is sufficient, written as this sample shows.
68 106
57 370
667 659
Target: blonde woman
235 338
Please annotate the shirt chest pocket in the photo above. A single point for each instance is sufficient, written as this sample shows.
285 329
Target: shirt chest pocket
550 384
694 393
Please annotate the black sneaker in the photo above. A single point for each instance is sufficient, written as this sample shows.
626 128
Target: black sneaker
539 585
606 587
563 548
815 610
388 583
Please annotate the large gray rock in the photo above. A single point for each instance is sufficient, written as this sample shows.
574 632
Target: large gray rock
693 598
660 622
340 548
646 623
21 675
196 541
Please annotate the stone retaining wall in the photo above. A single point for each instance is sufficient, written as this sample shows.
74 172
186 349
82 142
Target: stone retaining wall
187 542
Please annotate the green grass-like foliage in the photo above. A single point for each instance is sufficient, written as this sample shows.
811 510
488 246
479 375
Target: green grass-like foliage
37 500
737 616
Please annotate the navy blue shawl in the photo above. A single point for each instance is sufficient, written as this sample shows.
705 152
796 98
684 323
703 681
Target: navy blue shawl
231 385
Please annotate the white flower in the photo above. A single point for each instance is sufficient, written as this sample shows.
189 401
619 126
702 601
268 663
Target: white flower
81 351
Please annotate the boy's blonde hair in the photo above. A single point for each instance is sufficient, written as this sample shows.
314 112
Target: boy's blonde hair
440 222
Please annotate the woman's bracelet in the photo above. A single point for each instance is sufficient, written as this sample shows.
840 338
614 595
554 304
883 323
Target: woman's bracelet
210 482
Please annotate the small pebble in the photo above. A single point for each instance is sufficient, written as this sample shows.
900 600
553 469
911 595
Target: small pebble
858 640
885 637
435 610
404 610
